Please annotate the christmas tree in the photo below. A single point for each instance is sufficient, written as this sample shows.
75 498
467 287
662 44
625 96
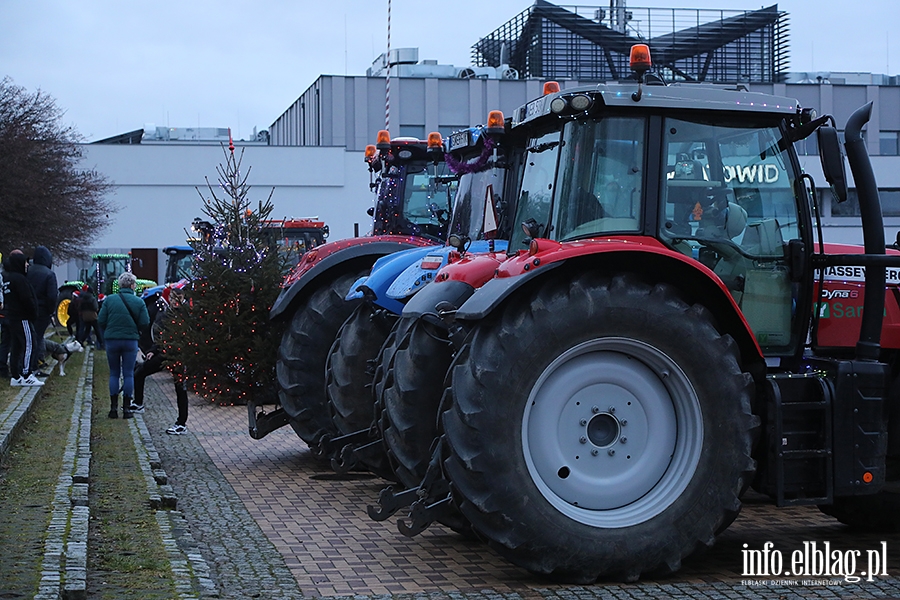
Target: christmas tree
221 339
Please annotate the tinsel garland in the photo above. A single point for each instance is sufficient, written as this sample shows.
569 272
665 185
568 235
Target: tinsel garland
461 167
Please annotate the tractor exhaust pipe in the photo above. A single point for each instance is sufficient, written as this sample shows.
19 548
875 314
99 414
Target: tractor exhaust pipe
869 345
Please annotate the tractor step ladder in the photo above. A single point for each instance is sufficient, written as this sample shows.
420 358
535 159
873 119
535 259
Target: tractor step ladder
800 424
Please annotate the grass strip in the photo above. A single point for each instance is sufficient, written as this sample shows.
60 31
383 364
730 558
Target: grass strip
126 555
28 479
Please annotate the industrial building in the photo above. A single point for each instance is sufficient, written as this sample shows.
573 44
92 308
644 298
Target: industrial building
312 155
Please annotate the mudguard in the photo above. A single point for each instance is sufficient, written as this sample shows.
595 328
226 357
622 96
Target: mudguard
383 274
413 279
317 262
639 254
495 291
401 275
424 303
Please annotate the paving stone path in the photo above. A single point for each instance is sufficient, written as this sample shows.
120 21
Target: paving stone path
244 518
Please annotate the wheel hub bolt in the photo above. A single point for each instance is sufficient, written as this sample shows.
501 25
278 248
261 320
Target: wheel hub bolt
624 422
583 440
612 409
583 421
595 452
611 452
623 439
595 409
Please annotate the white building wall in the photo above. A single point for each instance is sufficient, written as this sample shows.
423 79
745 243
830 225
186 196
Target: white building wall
156 188
314 175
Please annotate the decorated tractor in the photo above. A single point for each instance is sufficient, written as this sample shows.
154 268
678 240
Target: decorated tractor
295 237
479 224
411 210
102 278
663 335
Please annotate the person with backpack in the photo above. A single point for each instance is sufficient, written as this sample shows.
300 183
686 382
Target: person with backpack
43 280
122 317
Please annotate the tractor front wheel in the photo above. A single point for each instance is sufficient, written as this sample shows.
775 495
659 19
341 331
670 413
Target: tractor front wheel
302 354
349 372
411 394
600 427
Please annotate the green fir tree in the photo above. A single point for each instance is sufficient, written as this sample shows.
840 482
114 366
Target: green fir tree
222 339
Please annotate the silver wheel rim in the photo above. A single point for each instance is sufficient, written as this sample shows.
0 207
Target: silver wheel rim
612 432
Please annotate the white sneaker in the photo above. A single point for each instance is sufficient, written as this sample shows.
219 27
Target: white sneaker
31 381
176 429
16 382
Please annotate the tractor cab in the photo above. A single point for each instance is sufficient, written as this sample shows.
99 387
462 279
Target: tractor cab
724 193
413 188
294 237
179 263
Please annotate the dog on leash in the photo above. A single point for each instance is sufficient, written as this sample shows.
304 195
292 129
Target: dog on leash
61 352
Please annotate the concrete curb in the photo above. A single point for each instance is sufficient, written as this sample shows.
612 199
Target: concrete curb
189 568
64 566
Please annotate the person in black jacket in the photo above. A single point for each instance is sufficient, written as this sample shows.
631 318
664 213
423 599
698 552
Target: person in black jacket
21 307
88 310
43 280
154 363
5 333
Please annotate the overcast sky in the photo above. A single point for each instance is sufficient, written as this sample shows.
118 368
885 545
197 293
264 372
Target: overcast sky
118 65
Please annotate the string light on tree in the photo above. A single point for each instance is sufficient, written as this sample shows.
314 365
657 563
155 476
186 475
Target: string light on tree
221 336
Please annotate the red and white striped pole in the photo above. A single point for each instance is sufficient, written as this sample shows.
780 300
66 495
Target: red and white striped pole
387 78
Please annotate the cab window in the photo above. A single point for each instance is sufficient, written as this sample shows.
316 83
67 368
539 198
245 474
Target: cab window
728 202
600 180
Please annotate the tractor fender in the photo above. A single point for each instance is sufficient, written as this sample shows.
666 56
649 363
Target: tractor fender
424 302
383 274
336 257
421 273
655 262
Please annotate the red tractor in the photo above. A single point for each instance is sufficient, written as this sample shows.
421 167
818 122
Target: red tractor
294 237
410 210
669 336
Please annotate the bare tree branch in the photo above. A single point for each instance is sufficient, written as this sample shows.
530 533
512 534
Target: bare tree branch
45 197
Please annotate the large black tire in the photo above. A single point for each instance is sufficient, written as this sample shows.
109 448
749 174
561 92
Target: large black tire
63 299
302 354
410 396
349 372
601 427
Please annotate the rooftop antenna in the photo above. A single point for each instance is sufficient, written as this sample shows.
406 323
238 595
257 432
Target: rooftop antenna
617 15
387 77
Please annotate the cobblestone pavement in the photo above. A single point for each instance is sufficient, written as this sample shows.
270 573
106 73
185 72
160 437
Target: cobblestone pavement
273 522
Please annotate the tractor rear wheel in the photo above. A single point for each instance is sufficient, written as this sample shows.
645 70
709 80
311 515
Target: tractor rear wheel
304 348
349 372
62 306
600 427
411 395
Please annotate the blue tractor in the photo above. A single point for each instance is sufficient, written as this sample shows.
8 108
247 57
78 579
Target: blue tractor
479 225
411 209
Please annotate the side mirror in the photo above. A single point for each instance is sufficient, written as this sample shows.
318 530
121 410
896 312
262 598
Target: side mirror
832 156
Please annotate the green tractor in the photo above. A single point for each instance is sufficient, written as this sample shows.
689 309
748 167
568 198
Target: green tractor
102 278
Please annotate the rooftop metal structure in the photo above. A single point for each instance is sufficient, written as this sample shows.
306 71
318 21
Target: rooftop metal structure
593 43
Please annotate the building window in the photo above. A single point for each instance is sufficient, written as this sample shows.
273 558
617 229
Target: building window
416 131
889 143
890 204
